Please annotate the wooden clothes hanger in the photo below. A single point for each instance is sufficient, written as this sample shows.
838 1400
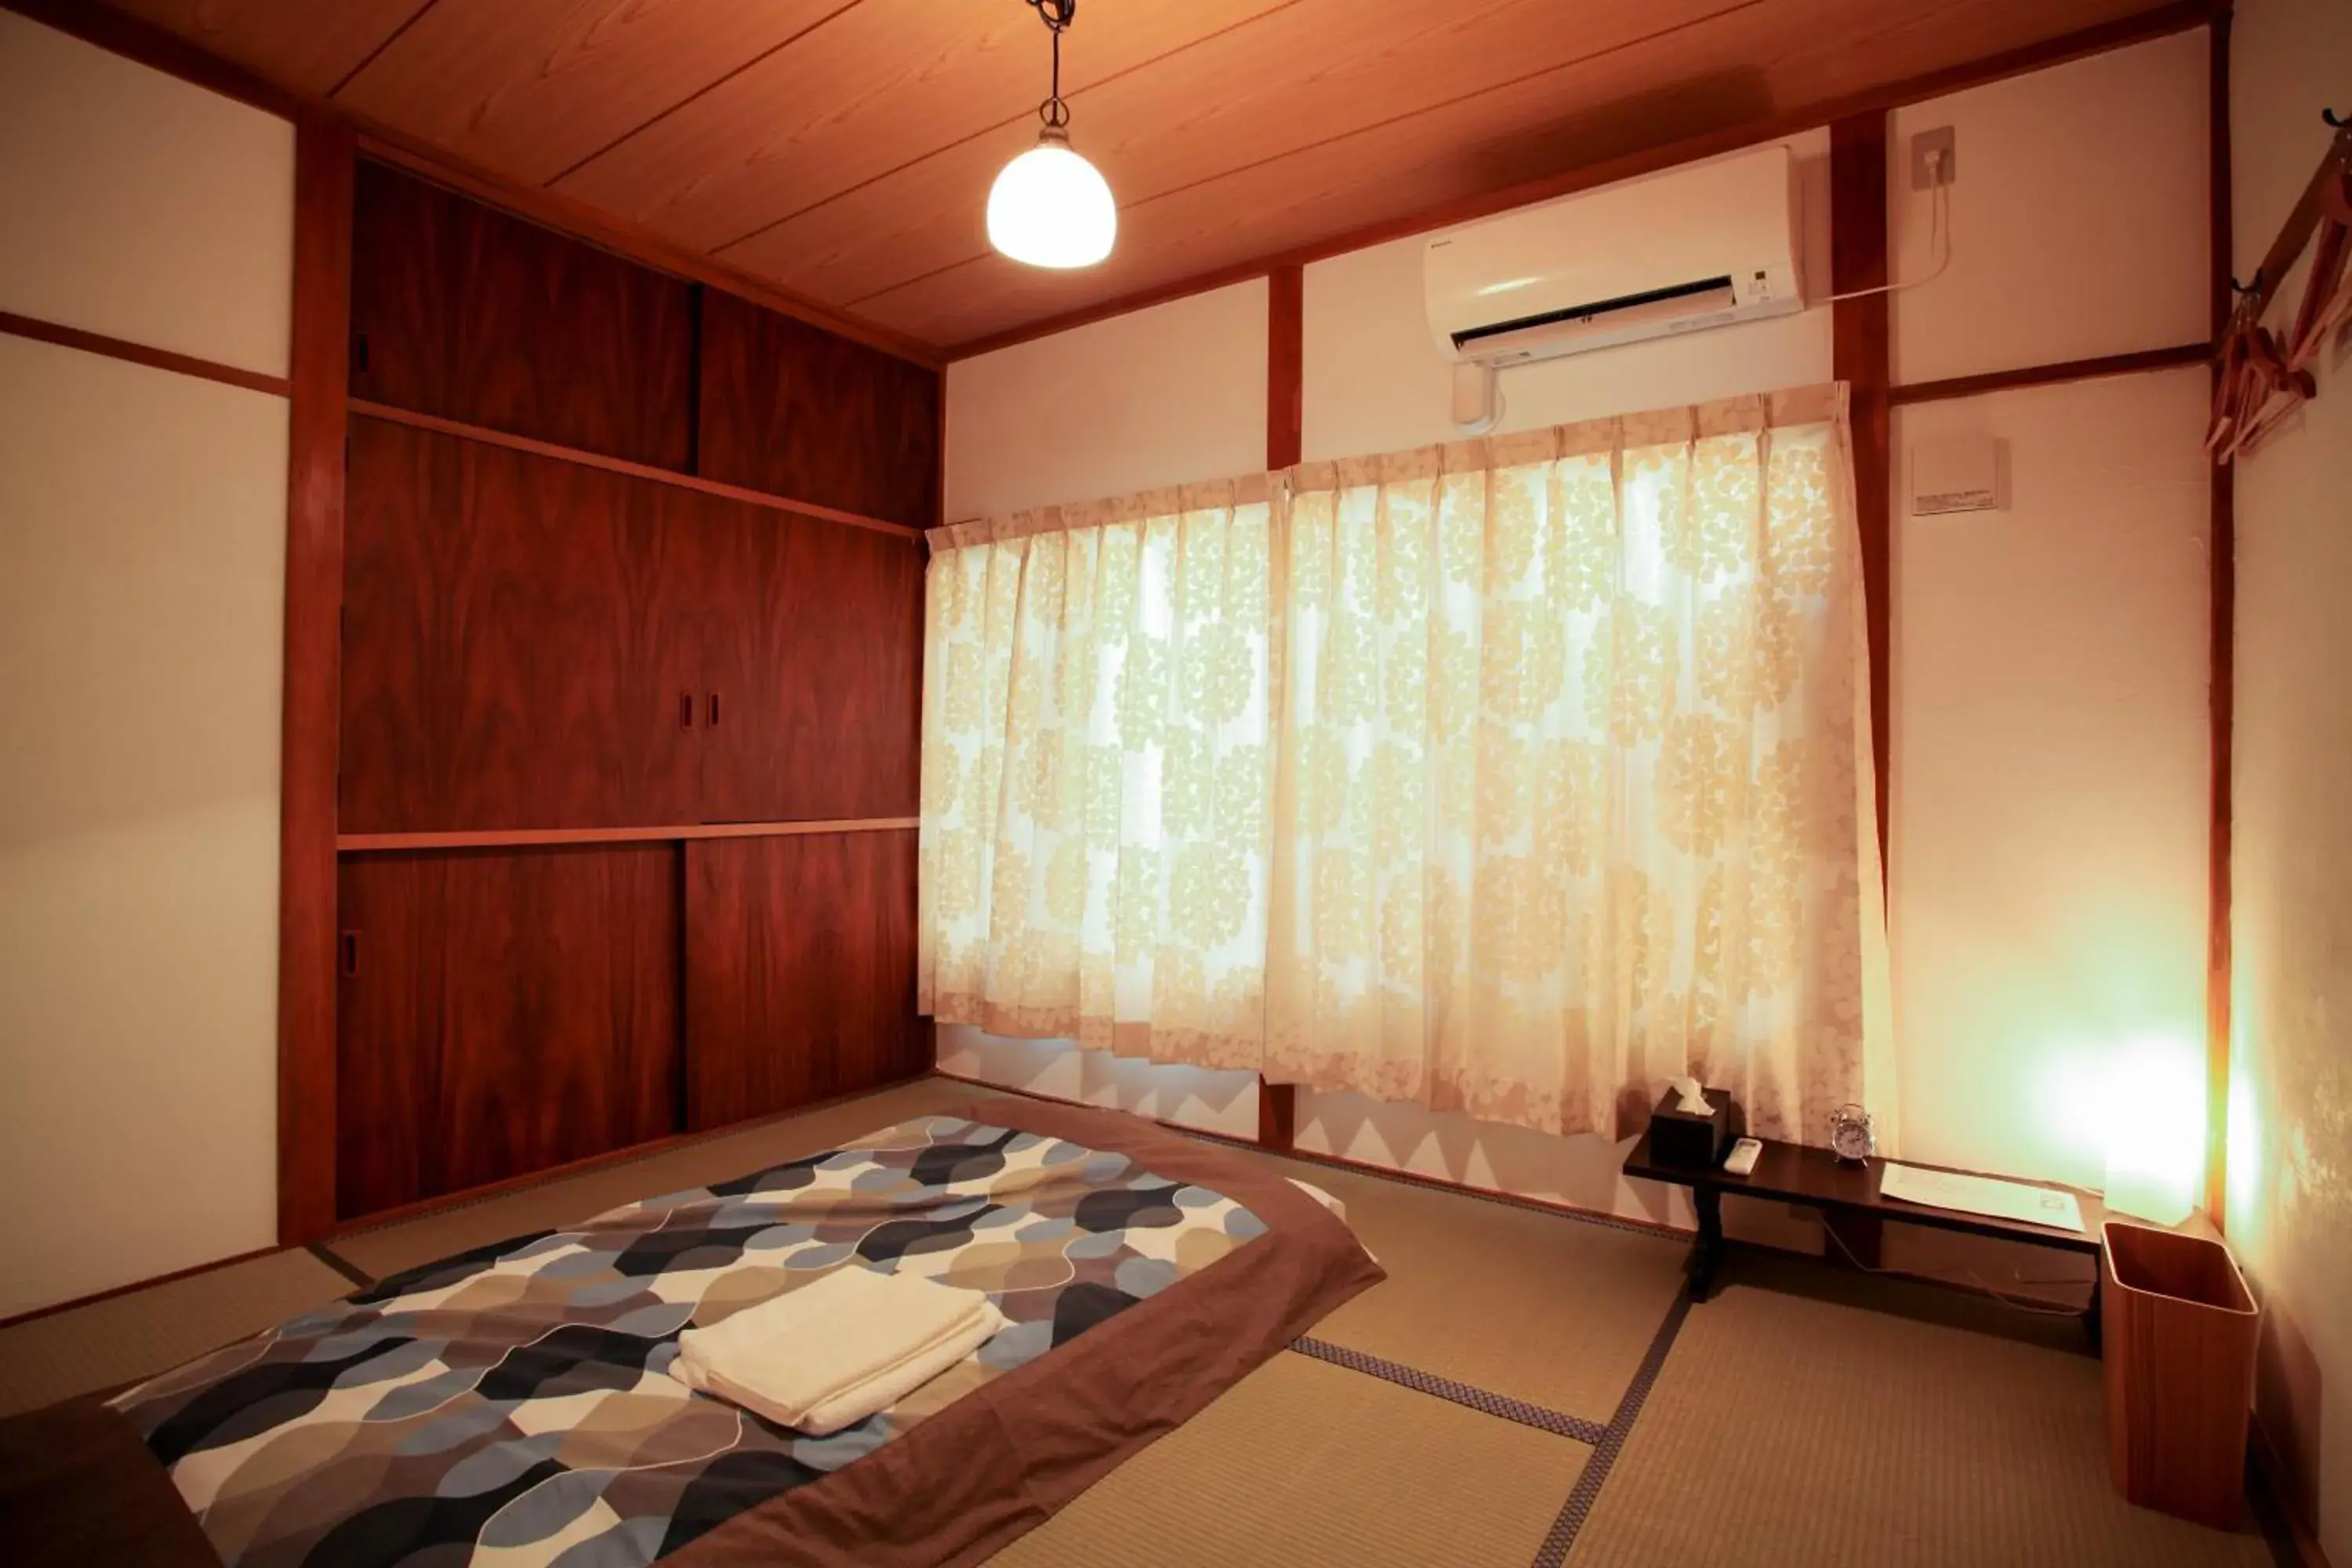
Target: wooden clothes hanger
2258 389
2327 296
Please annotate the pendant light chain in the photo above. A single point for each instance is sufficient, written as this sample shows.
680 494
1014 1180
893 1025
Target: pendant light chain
1056 15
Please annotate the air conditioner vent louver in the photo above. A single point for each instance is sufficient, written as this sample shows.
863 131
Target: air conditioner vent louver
1594 311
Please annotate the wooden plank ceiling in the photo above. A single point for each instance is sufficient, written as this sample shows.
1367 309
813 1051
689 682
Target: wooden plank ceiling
843 149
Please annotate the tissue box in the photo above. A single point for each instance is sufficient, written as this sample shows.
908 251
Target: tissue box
1698 1142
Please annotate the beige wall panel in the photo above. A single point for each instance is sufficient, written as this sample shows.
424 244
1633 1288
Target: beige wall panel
140 206
2047 850
2078 219
142 526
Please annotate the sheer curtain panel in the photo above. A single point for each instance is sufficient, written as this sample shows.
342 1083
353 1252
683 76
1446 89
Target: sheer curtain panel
1511 777
1097 775
1575 792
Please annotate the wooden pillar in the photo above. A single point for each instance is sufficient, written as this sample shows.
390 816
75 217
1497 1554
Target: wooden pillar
321 386
1860 354
1286 357
1286 360
1859 334
2221 617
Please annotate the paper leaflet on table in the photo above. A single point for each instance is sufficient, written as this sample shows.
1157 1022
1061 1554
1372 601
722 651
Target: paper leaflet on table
1981 1195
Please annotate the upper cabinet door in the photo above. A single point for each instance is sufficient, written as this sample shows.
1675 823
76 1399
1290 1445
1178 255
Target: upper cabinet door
795 411
464 312
811 660
520 642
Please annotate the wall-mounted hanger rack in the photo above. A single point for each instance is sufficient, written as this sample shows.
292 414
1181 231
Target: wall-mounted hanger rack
2265 377
2303 219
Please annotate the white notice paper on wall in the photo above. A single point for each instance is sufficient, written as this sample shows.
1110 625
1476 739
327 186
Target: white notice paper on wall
1959 472
1981 1195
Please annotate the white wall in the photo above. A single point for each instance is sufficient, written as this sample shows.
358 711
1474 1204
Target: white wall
142 523
2290 1163
2100 525
1170 396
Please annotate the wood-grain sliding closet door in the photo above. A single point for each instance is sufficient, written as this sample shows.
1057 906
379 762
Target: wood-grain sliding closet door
799 971
501 1012
793 410
461 311
813 651
521 642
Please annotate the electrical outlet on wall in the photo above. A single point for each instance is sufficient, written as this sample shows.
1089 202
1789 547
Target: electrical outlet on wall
1927 171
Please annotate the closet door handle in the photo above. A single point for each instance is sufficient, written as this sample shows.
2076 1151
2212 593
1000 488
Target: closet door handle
714 710
685 710
347 955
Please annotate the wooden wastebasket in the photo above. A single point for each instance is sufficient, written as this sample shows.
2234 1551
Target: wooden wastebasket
2181 1331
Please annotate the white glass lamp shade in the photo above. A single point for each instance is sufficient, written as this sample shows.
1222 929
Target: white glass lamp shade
1050 207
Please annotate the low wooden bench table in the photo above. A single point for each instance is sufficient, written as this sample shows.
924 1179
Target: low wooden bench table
1815 1178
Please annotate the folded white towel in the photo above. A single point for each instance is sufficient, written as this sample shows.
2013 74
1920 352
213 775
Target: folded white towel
832 1353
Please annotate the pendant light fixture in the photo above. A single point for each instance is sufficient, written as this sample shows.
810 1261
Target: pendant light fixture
1050 207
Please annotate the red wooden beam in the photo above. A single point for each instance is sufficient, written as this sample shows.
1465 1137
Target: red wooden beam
2221 656
1286 362
1859 352
320 378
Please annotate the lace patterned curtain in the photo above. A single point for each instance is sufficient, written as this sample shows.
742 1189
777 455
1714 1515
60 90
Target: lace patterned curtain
1511 777
1096 774
1574 794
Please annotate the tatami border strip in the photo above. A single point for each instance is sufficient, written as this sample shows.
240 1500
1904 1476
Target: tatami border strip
1479 1399
342 1265
1572 1513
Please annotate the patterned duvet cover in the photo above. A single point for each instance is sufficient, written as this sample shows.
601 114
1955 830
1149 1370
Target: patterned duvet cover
510 1406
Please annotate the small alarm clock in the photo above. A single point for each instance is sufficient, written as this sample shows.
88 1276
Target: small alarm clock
1850 1138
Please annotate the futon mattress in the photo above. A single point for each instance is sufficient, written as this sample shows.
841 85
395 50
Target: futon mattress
513 1405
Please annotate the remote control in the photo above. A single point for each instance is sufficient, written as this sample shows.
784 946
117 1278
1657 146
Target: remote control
1742 1158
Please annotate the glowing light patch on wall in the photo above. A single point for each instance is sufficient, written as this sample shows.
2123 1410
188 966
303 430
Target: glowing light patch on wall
2156 1141
2137 1109
2244 1166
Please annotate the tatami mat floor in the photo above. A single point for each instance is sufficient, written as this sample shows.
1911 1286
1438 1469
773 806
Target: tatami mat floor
125 1337
1305 1462
1525 1388
1508 1299
1823 1432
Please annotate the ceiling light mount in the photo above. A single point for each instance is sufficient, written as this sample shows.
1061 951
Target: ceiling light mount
1049 207
1058 15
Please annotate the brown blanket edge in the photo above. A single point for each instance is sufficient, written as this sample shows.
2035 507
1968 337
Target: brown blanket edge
1003 1459
79 1486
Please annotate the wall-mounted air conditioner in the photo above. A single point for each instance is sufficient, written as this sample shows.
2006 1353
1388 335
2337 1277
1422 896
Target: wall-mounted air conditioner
1676 252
